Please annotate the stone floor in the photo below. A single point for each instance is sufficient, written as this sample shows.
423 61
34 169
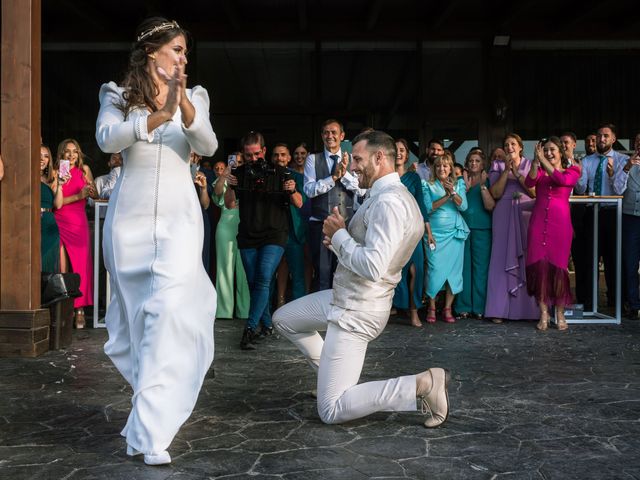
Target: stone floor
525 405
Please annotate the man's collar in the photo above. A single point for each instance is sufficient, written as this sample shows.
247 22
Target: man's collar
382 182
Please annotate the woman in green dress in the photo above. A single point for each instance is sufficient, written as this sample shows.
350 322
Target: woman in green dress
231 281
477 247
50 198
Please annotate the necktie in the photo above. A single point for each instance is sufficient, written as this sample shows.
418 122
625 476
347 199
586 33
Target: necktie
597 181
335 163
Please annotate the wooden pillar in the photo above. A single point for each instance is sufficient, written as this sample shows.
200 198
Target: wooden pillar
24 326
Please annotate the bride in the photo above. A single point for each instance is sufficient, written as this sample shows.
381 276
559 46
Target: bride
160 319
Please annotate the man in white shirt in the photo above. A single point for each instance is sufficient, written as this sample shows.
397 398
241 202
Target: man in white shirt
106 183
435 148
379 241
328 184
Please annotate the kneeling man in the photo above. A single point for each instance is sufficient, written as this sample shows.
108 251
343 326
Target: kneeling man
382 235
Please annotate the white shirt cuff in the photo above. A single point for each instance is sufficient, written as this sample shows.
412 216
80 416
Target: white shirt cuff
339 238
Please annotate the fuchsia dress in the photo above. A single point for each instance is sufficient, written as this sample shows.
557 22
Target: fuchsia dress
549 238
74 236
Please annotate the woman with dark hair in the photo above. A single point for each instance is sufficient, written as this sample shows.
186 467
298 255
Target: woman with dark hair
75 242
50 198
477 247
409 291
550 230
161 315
507 297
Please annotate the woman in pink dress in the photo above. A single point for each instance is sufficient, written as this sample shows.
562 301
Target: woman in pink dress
75 245
550 230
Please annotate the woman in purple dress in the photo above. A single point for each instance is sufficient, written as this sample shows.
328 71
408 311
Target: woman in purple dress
507 296
550 230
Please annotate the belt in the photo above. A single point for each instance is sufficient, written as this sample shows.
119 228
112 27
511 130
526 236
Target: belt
42 210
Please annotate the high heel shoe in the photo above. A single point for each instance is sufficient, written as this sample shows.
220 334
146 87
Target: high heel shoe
447 317
543 324
562 324
431 315
78 319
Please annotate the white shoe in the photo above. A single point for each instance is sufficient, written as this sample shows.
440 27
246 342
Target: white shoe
436 400
161 458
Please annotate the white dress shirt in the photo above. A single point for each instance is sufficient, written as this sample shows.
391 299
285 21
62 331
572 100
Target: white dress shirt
317 186
381 238
106 183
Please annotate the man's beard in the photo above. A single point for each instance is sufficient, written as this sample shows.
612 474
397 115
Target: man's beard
602 150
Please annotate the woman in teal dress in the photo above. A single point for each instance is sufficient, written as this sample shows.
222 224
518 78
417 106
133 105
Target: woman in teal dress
446 197
50 198
231 281
477 247
409 292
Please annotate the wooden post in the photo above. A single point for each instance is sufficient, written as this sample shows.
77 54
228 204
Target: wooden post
24 326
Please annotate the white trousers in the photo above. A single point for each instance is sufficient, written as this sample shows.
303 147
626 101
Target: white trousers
339 358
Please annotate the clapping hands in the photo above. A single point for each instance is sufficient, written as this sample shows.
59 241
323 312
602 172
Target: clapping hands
177 83
448 185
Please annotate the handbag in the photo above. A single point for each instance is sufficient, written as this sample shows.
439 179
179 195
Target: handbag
59 286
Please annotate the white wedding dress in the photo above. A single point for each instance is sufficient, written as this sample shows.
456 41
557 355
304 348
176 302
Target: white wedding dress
163 305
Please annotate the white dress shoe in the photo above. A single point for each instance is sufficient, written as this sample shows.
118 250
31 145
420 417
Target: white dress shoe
435 400
161 458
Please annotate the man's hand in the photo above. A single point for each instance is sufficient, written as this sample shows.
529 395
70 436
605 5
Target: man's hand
341 168
231 179
200 180
634 160
289 186
332 224
610 166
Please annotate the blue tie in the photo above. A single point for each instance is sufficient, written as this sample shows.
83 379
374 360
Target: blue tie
597 181
335 163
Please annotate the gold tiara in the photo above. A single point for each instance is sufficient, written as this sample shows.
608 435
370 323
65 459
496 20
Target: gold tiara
158 28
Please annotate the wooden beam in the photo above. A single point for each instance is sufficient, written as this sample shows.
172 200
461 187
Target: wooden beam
374 14
232 14
514 11
303 20
444 14
20 313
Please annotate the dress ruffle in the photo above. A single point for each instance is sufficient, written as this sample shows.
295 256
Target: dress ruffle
549 284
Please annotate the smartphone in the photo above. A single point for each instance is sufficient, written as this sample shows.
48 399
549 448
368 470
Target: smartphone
65 168
231 161
194 170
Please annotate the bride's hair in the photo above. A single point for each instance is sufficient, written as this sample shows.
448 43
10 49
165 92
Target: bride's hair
140 90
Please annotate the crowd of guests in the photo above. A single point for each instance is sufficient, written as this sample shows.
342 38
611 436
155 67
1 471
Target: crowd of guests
498 229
